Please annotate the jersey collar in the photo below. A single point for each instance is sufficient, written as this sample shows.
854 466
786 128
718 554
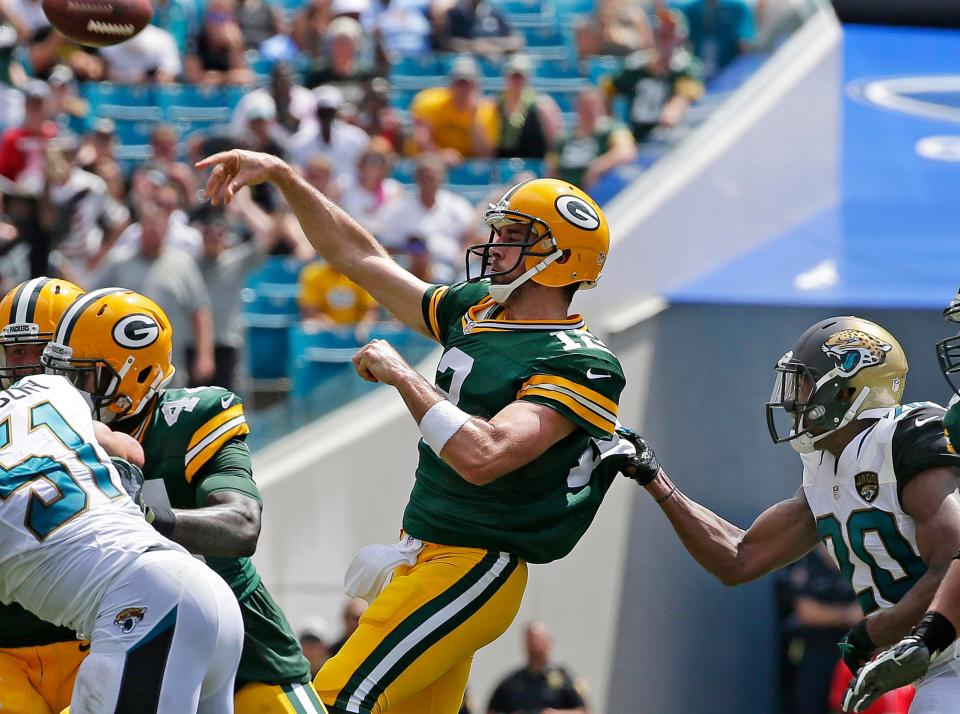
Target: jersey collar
486 316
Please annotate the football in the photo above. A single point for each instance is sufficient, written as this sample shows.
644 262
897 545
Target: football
98 23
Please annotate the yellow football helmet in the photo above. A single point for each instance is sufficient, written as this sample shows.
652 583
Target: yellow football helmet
29 314
114 344
566 242
838 369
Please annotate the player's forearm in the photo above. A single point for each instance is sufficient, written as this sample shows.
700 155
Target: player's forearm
712 541
947 599
331 232
226 531
891 624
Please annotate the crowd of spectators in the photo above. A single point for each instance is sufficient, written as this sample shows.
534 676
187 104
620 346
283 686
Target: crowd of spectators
73 206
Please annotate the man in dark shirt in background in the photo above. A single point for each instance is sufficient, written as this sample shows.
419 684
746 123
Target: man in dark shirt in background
540 687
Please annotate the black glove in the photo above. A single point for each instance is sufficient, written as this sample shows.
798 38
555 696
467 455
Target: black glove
643 466
905 662
131 477
856 646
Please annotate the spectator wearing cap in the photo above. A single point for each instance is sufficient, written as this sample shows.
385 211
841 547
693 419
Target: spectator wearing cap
21 147
403 26
341 66
171 278
293 103
217 52
457 120
332 137
530 122
150 56
353 9
595 145
477 27
659 86
366 197
440 217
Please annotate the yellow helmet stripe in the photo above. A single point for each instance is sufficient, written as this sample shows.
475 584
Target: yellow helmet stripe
25 302
73 313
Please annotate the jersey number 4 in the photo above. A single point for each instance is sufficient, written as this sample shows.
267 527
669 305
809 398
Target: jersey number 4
890 587
45 515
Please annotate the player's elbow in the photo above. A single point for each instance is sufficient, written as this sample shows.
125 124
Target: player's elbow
248 531
478 465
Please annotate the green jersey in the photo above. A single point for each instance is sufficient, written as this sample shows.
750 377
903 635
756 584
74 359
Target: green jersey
194 446
540 510
647 90
575 153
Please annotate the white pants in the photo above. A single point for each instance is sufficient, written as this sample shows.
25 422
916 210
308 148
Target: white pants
166 639
939 691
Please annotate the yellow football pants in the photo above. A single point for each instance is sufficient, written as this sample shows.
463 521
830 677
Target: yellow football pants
39 680
412 651
260 698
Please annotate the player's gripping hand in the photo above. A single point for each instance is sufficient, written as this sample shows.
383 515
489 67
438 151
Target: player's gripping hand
131 477
643 466
856 647
896 667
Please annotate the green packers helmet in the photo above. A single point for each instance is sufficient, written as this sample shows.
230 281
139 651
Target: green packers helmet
948 350
814 379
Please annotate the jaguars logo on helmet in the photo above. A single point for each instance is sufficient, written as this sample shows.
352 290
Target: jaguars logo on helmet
839 368
566 242
29 314
115 345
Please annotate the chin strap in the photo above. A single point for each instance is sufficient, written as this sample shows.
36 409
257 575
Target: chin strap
500 293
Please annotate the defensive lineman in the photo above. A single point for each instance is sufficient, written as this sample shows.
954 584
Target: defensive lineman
879 489
165 631
524 406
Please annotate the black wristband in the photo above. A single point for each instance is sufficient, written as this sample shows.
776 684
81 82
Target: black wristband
936 631
860 637
163 520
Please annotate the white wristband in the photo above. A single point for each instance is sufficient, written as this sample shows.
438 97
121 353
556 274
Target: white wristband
440 423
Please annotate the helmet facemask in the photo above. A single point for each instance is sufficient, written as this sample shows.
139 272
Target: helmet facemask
815 406
948 350
537 233
20 335
94 378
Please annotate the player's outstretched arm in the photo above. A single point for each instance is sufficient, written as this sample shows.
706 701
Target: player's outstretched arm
333 234
782 534
227 525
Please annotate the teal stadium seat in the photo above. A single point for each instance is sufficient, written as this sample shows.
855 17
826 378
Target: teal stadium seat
318 356
268 314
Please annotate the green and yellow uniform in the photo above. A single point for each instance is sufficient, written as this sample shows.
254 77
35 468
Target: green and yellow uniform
574 153
193 441
647 90
38 663
413 648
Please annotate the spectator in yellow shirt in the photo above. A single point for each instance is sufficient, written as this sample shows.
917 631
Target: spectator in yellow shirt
330 299
456 121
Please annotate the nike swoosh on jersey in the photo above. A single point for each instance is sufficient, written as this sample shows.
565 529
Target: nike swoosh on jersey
593 375
226 400
921 422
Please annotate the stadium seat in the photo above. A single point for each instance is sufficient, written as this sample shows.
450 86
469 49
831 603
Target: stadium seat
472 172
520 7
276 269
556 70
565 8
319 355
507 169
424 65
542 34
122 102
403 171
197 105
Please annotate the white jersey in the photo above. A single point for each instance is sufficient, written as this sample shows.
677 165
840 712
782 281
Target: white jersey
67 527
856 499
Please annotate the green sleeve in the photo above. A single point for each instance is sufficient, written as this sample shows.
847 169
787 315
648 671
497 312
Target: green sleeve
229 469
444 305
